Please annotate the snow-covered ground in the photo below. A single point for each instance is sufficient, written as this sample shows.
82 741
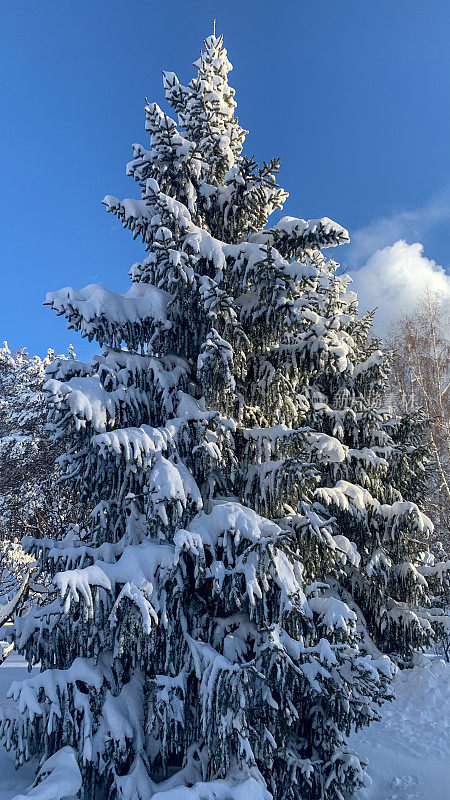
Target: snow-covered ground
12 782
409 750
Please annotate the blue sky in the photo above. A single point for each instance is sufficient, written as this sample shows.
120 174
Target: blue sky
352 95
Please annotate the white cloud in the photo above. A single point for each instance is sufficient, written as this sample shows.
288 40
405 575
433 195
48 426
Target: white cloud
408 225
394 278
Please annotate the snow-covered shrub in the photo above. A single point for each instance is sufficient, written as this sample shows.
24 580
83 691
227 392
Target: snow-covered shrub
435 567
14 566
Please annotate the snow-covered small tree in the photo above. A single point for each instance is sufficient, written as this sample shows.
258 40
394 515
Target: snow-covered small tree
244 478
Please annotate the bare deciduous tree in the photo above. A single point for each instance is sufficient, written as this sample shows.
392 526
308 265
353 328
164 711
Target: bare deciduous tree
420 378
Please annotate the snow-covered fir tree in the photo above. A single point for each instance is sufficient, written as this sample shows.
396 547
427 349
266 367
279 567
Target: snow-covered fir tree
376 469
243 477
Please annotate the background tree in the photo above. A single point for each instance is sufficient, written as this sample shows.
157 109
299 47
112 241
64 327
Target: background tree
197 642
31 500
27 457
419 381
